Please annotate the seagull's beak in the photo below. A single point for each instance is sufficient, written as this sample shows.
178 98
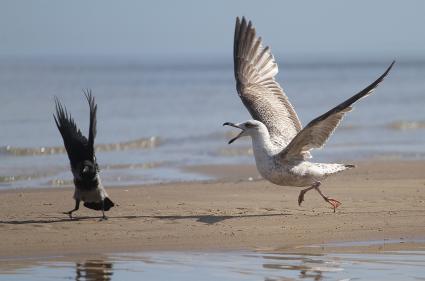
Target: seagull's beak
236 126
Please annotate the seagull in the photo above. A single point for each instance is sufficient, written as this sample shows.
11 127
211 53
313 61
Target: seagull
88 187
281 145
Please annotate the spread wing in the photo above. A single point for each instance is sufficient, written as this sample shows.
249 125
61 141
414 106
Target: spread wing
93 120
255 70
317 132
77 146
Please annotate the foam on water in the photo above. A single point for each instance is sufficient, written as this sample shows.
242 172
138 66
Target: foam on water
407 125
143 143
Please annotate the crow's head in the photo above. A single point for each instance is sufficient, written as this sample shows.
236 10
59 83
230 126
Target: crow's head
88 170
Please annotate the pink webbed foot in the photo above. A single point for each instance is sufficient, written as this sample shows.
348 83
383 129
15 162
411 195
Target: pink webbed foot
335 203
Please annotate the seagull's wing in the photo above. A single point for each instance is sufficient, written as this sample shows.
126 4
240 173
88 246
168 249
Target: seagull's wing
76 144
93 120
317 132
255 70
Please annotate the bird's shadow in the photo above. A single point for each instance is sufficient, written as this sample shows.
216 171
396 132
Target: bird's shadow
207 219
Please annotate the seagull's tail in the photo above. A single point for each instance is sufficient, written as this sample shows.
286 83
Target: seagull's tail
330 169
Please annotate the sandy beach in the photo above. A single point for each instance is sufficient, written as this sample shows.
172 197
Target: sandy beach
380 200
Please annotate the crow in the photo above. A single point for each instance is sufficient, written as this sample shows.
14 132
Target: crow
81 154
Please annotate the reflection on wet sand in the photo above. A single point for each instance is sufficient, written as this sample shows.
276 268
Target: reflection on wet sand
93 270
402 264
309 266
305 270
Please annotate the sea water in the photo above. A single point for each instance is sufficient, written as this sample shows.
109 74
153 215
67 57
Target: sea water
156 117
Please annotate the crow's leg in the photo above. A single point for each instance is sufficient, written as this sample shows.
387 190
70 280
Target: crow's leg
104 217
77 206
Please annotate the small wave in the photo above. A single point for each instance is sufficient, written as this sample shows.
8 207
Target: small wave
58 181
132 166
214 136
143 143
407 125
15 178
237 151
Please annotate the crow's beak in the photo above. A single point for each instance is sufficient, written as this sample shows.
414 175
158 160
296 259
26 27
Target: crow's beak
236 126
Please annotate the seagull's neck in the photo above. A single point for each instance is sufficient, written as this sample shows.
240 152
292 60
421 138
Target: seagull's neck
262 144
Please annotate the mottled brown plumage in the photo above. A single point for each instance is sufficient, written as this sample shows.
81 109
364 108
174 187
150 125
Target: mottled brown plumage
281 146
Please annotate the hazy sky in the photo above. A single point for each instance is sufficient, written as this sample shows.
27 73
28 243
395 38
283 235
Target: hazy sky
372 28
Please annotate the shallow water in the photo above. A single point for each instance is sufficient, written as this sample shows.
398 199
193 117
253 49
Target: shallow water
239 265
155 118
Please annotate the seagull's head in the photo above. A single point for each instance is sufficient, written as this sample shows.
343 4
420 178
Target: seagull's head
249 128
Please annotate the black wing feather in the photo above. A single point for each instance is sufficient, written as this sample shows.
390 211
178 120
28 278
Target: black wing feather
76 144
93 120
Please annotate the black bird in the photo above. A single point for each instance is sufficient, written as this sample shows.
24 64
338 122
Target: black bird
88 187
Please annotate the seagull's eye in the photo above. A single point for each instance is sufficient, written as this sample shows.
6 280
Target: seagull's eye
249 125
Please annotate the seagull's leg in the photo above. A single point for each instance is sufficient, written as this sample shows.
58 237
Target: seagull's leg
103 211
335 203
302 192
77 206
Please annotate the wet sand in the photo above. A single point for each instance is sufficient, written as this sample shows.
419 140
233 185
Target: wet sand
380 200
